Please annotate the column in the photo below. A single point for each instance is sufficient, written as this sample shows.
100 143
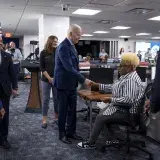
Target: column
52 25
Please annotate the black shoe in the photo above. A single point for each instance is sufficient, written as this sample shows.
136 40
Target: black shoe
65 139
75 137
6 144
86 145
44 125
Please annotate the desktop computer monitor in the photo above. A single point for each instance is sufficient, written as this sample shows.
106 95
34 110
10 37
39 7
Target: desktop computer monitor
102 75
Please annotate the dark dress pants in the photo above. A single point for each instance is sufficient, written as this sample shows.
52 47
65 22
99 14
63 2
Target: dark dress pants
5 121
67 102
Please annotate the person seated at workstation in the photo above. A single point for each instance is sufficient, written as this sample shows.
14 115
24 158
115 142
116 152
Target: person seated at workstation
86 62
128 89
103 56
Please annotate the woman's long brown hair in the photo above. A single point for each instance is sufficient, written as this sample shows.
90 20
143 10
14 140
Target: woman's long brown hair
48 46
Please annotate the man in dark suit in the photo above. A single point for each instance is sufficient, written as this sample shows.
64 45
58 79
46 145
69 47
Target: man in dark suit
66 78
8 86
153 103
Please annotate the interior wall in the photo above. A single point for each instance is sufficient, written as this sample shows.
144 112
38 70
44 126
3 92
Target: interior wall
27 48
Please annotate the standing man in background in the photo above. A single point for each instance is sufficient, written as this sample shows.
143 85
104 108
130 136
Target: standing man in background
66 78
16 57
8 86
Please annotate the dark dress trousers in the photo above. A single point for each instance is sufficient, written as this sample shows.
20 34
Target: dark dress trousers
66 78
155 97
7 83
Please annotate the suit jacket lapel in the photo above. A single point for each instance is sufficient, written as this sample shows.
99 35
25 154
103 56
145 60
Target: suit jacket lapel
74 51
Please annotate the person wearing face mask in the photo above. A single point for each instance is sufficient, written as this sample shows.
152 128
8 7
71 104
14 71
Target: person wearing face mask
128 89
47 63
8 86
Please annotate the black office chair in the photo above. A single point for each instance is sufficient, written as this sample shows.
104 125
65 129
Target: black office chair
99 75
131 129
141 71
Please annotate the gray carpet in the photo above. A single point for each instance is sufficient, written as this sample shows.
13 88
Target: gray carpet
31 142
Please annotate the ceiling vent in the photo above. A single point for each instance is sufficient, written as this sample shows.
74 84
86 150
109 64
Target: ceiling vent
141 11
107 22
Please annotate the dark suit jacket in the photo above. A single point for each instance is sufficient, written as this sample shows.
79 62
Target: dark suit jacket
7 74
155 97
67 75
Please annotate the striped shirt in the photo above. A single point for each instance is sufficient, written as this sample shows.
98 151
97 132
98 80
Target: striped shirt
128 89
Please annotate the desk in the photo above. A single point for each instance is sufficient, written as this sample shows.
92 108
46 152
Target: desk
89 97
34 98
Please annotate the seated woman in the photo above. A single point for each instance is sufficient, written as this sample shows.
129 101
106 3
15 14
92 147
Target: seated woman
128 89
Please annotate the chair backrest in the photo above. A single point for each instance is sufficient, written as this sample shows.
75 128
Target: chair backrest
102 75
141 71
142 115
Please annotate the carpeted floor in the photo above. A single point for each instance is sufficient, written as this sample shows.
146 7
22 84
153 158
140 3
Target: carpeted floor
31 142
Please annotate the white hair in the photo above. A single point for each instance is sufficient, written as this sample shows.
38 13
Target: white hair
73 27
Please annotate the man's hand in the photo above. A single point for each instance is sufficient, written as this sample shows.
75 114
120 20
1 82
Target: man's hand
95 87
106 99
2 113
88 82
14 92
147 105
50 80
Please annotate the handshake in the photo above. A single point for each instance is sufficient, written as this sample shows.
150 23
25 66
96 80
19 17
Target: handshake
94 86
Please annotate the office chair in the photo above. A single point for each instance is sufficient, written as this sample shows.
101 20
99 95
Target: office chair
99 75
141 71
131 129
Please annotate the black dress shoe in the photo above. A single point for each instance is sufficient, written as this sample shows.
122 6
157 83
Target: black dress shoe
65 140
6 144
75 137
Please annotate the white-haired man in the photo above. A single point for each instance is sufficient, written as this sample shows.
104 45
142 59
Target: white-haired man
66 78
128 89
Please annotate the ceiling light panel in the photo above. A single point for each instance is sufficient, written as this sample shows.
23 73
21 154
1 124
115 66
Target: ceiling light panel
157 18
88 12
143 34
87 35
124 36
100 32
155 37
120 27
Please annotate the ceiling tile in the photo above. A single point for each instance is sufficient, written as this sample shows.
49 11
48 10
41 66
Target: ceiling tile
12 6
107 2
43 2
12 2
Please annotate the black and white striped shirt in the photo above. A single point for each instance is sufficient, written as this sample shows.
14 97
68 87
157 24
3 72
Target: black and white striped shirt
128 89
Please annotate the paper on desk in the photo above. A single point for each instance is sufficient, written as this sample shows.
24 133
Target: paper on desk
101 105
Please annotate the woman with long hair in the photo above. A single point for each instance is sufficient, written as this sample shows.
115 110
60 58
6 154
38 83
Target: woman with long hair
47 63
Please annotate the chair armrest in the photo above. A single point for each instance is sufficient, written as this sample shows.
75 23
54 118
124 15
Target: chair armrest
125 106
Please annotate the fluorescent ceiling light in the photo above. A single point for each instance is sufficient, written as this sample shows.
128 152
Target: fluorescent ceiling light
101 32
124 36
155 18
155 37
143 34
88 12
87 35
120 27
